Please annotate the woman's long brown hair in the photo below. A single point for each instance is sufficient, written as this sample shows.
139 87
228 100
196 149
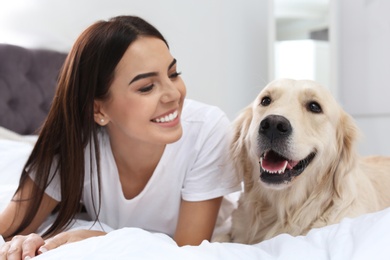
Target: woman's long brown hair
86 76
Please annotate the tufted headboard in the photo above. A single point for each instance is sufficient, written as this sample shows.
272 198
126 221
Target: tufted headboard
28 80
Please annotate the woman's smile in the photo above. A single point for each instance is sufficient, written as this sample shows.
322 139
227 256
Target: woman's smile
166 118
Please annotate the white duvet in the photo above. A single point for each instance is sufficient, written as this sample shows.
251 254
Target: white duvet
365 237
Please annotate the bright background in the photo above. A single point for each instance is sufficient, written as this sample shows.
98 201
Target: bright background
228 49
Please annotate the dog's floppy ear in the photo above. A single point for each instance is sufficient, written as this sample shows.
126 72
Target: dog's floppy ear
239 149
347 135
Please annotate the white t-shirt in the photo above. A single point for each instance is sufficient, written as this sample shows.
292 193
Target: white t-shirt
194 168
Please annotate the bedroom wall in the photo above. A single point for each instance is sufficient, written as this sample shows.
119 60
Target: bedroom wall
361 33
222 47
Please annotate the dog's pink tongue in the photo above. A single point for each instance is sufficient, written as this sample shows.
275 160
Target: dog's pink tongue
274 163
273 166
291 164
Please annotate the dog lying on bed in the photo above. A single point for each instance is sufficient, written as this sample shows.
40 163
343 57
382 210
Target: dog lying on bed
295 150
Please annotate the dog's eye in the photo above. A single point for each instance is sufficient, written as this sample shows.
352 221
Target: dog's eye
265 101
314 107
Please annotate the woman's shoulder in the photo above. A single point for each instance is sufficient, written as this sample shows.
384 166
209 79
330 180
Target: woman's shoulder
203 120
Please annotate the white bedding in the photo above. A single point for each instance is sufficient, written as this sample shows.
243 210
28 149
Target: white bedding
365 237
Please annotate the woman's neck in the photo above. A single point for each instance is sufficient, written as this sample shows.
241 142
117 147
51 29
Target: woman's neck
136 163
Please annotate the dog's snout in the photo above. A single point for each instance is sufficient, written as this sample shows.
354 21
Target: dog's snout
275 127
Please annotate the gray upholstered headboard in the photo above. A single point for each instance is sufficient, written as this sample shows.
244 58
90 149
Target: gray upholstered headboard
28 80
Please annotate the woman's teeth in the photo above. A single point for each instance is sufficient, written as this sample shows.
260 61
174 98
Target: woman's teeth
167 118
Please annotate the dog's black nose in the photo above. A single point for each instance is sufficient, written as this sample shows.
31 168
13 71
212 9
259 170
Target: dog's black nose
274 127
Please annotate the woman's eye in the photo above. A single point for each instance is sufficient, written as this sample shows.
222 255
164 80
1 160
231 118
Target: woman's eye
174 75
314 107
146 89
265 101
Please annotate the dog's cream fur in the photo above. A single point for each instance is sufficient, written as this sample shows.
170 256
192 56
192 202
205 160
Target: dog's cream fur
336 184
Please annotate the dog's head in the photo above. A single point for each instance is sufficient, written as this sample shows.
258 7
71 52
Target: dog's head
293 127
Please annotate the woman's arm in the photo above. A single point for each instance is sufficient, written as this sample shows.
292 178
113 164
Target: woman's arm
23 245
196 221
13 214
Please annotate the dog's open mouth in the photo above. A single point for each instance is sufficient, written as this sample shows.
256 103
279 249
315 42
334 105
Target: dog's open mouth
276 169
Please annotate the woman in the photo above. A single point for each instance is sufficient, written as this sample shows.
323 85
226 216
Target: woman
121 137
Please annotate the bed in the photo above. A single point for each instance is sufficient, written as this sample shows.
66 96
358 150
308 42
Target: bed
27 83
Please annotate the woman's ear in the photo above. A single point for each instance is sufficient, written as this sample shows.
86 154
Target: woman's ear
99 115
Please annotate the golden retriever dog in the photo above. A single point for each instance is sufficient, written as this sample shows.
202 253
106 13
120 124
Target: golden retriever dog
294 148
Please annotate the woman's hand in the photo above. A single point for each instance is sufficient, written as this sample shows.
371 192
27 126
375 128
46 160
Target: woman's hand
21 247
26 247
68 237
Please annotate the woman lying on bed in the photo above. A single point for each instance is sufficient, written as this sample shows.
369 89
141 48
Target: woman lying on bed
121 137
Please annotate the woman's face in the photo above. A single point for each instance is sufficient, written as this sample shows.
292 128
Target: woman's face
146 96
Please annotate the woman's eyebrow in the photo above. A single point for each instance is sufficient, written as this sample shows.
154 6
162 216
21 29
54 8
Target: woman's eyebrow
142 76
151 74
172 64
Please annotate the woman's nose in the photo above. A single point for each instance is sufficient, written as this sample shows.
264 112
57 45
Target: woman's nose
170 92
